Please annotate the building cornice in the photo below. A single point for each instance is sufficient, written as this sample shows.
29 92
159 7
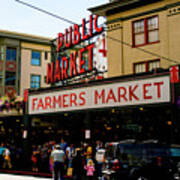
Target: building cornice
144 13
121 5
25 37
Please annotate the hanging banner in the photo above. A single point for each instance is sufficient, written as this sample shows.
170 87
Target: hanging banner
115 94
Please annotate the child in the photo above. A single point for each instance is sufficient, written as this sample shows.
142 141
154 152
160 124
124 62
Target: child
89 169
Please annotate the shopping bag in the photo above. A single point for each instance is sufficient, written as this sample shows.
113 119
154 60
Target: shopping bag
69 171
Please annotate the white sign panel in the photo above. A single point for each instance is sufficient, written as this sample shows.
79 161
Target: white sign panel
146 91
87 134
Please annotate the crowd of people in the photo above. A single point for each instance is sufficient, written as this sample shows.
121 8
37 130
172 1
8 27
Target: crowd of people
77 162
85 160
58 158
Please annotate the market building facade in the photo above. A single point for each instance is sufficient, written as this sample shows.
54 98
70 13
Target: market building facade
138 100
111 106
121 109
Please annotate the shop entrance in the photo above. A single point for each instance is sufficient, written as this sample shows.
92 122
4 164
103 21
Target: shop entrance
107 125
11 130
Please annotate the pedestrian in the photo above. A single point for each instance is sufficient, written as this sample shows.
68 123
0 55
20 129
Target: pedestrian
2 148
88 151
100 160
63 144
58 159
70 153
7 159
89 169
44 158
34 160
78 165
49 154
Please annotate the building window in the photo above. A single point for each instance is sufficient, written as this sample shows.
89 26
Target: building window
36 58
46 55
146 66
10 79
140 67
10 54
35 81
145 31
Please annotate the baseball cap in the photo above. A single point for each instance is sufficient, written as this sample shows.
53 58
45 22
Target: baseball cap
57 146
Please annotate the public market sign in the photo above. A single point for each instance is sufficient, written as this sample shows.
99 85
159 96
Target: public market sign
146 91
74 65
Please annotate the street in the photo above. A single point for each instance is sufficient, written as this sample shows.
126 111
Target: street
20 177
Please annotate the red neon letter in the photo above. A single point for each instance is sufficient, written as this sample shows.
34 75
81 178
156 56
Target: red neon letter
59 41
50 69
90 26
64 69
81 61
40 104
96 96
48 102
57 75
73 68
82 98
68 39
84 35
131 93
55 101
73 98
145 91
65 100
76 35
111 96
90 50
95 25
158 84
33 103
122 94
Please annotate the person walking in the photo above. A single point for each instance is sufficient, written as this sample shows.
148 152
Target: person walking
7 159
58 158
34 160
78 165
100 160
2 149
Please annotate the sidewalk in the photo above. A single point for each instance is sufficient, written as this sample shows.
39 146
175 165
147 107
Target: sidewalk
21 177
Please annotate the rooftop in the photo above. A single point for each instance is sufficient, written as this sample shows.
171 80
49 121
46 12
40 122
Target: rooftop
25 37
119 5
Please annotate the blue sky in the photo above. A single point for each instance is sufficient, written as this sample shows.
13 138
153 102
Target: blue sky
20 18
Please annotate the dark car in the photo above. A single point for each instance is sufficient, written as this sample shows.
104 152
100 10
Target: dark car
150 160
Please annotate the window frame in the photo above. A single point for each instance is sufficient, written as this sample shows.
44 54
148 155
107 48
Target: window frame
11 48
33 81
146 65
146 31
11 80
46 53
33 50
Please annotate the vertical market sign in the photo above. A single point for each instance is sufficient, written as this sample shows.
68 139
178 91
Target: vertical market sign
80 59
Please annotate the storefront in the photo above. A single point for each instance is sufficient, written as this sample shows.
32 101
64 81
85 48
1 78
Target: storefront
11 119
139 108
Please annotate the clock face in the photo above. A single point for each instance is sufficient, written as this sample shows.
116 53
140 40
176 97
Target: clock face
100 54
